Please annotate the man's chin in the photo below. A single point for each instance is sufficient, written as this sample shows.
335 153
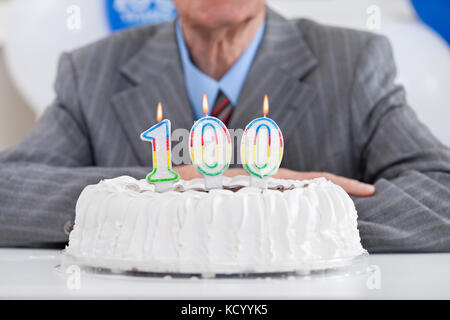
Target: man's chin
218 22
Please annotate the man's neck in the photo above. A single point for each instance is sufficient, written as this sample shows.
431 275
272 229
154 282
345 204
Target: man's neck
214 51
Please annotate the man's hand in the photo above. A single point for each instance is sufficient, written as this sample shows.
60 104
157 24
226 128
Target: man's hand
351 186
188 172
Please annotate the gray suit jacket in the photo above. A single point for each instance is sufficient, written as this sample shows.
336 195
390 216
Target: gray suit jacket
332 92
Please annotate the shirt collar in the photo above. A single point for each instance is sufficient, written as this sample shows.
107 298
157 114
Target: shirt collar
198 83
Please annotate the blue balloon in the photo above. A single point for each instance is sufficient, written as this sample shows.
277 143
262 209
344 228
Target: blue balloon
436 14
129 13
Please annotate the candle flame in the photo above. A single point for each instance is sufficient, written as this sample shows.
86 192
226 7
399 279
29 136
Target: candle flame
266 105
205 104
159 112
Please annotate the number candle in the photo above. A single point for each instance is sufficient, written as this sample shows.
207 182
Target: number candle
262 148
210 148
162 175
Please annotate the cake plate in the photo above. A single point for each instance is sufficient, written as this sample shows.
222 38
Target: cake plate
332 267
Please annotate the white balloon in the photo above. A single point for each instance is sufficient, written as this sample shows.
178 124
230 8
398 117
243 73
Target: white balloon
423 61
422 56
38 32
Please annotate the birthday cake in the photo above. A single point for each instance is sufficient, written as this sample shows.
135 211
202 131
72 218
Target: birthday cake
123 224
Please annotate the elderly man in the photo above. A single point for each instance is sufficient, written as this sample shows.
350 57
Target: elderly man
333 95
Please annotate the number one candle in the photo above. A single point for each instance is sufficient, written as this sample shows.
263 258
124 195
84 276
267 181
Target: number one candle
162 175
210 148
262 148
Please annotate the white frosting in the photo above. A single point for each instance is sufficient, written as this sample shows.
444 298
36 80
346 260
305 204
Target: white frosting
122 223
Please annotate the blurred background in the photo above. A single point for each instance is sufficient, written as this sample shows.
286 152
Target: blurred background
34 33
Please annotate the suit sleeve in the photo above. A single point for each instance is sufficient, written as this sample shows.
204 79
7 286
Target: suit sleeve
410 211
41 179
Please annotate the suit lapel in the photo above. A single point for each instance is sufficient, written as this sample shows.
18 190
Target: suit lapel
282 60
156 69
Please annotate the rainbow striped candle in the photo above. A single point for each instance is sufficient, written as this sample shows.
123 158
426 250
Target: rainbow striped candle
262 148
210 148
159 135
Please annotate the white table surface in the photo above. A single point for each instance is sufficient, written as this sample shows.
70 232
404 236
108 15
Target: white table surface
31 273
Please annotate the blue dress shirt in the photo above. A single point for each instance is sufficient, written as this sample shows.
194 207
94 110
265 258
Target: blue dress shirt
198 83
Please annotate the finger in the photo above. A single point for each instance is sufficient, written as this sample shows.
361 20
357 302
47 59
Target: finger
353 187
187 172
235 172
